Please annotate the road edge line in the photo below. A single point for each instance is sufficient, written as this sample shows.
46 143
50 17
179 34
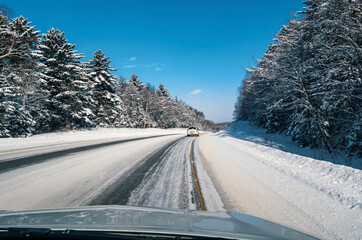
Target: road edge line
198 189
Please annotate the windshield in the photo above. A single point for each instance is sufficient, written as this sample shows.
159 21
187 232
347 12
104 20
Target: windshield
251 107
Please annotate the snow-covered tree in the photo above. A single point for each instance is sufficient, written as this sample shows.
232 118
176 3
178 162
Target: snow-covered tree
131 95
150 105
14 120
7 40
28 73
45 87
67 82
19 75
108 105
308 84
335 75
135 80
165 113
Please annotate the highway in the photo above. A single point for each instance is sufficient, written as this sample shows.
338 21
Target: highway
170 170
151 171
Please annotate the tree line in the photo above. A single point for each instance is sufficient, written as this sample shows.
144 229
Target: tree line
308 84
45 87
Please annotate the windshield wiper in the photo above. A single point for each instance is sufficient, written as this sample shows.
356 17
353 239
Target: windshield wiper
24 232
47 233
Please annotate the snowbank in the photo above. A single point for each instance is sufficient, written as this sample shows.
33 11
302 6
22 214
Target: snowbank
340 182
243 130
329 193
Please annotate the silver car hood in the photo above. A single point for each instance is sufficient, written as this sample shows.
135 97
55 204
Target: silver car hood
152 220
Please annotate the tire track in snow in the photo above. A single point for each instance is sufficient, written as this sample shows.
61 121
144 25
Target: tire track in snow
169 184
73 180
121 189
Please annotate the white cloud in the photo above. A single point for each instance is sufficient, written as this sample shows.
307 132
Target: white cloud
132 59
196 91
143 66
129 66
148 65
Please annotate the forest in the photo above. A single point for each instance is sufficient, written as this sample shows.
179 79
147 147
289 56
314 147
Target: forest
308 83
45 87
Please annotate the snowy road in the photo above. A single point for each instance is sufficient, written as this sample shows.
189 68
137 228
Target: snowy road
74 178
171 182
149 171
10 160
163 180
166 169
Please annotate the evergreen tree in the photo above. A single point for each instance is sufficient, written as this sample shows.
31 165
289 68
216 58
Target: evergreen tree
17 71
135 81
45 87
168 113
14 120
308 84
27 73
334 31
132 97
108 105
149 104
67 83
7 39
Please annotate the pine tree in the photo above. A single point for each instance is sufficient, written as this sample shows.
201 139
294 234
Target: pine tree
334 31
17 70
7 39
67 83
28 75
131 95
149 104
134 80
14 120
168 112
108 105
308 85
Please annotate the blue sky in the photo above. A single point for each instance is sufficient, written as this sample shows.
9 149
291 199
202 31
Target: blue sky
197 49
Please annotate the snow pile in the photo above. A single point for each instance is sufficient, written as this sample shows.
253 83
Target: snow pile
243 130
329 193
339 182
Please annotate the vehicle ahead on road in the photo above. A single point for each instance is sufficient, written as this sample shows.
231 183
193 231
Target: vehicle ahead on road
126 222
193 131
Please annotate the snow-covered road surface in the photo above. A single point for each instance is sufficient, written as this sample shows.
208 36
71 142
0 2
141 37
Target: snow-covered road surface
14 159
117 170
233 174
73 179
169 183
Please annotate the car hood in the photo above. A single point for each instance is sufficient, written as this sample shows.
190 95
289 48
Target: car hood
152 220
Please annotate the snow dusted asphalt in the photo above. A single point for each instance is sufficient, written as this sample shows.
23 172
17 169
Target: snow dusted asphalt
74 179
169 183
234 173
